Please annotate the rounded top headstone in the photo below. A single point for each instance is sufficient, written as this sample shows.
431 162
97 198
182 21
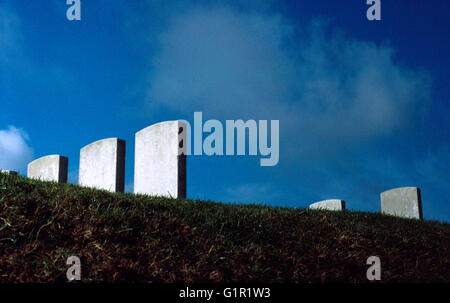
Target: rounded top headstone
49 168
330 204
402 202
45 157
98 142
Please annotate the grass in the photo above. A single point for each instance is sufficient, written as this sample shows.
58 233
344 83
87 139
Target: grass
137 238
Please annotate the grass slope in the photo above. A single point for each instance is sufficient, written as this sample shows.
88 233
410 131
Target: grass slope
123 237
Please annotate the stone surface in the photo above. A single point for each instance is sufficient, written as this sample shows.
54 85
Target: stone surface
9 172
49 168
332 204
102 165
402 202
160 160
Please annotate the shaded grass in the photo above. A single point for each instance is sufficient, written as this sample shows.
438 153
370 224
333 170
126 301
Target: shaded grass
124 237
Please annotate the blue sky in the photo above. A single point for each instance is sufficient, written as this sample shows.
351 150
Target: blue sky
363 106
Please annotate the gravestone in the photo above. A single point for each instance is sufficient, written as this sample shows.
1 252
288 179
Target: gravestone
8 172
49 168
332 204
102 165
160 160
403 202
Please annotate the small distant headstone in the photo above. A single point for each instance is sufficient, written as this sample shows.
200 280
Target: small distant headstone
403 202
49 168
102 165
8 172
160 160
332 204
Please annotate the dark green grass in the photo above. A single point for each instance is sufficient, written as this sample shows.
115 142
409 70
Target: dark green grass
124 237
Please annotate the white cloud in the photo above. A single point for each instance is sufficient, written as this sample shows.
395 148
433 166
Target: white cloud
352 90
15 152
325 88
214 59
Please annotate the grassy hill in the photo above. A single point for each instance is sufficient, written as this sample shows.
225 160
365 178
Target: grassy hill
123 237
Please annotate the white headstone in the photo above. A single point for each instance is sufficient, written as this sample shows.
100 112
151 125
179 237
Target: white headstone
160 160
332 204
49 168
402 202
102 165
8 172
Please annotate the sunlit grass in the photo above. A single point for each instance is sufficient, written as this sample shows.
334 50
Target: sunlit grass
125 237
